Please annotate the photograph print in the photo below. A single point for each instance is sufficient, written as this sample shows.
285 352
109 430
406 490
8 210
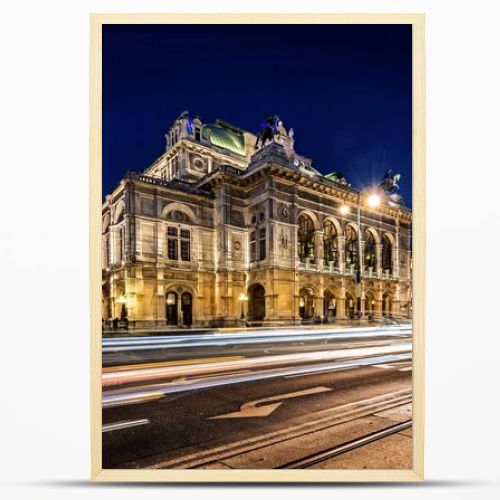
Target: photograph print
257 296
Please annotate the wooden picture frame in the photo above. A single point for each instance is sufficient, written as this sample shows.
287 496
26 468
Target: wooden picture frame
415 474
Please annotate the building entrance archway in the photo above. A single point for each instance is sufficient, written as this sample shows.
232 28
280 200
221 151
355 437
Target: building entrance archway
329 306
369 304
256 302
306 303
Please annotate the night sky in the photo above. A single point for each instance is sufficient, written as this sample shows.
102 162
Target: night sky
345 90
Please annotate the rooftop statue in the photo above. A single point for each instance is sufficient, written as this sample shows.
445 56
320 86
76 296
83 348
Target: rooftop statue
390 186
268 129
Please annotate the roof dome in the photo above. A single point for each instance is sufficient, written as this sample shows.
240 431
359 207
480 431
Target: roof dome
224 138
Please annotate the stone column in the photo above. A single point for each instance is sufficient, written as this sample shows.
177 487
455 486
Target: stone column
395 307
133 291
318 305
161 311
377 310
319 251
395 261
341 252
112 296
396 301
363 306
378 258
362 258
340 303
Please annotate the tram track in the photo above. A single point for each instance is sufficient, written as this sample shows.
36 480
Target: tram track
330 453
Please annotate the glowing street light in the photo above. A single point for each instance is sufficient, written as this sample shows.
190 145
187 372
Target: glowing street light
344 209
373 200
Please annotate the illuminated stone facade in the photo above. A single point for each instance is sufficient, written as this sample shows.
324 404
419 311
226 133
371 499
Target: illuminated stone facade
213 222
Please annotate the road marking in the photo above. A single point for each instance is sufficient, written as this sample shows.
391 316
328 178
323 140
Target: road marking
251 409
337 415
124 425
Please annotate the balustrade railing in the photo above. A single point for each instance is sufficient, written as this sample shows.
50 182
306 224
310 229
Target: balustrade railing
179 185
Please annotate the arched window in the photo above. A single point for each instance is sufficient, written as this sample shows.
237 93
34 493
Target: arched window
330 243
306 303
306 238
351 247
386 253
369 304
370 255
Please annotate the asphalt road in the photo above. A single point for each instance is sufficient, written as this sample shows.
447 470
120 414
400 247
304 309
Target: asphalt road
265 423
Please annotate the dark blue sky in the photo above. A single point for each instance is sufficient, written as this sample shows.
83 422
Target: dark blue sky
345 89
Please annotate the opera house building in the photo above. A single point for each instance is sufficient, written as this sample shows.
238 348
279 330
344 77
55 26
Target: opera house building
227 228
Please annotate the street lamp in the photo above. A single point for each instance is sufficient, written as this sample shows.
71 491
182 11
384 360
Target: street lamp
373 200
344 209
243 298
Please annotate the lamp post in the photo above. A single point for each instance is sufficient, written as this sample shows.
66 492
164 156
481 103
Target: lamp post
243 298
372 201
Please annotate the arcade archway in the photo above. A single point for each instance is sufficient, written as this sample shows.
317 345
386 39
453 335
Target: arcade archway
256 302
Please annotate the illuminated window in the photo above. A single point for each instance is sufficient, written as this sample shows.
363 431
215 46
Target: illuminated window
306 238
330 243
351 247
386 253
369 250
179 244
172 243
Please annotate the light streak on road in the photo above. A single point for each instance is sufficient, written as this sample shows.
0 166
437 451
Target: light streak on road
116 426
250 337
145 374
178 362
139 394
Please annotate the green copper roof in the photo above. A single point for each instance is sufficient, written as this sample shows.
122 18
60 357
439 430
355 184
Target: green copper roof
334 176
224 138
